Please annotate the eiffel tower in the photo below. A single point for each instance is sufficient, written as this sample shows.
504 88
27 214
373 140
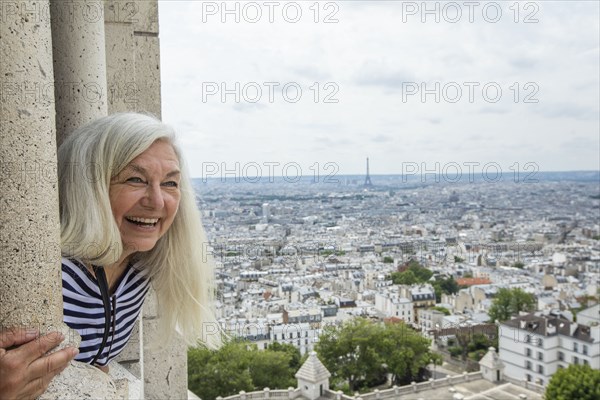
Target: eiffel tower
368 182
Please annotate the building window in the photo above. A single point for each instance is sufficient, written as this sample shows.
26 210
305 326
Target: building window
528 365
528 352
561 356
527 338
528 378
275 337
585 362
540 342
585 350
575 360
560 366
540 369
575 347
540 356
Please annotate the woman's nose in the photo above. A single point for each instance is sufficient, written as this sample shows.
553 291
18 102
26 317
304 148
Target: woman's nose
154 197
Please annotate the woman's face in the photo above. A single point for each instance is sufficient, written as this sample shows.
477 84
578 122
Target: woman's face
144 197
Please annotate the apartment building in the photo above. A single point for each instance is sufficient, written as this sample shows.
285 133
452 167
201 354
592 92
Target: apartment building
392 305
534 346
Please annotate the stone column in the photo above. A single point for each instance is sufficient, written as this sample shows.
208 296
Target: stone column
30 280
164 372
30 275
79 63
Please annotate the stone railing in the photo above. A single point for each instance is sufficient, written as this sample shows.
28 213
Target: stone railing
534 387
266 393
407 389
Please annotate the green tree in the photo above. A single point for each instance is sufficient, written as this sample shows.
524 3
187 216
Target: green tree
405 352
388 260
509 302
579 382
292 351
359 352
421 273
404 278
441 309
271 369
239 365
444 285
219 373
414 273
348 352
449 285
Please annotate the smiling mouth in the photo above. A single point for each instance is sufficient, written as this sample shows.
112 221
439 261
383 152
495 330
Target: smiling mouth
143 221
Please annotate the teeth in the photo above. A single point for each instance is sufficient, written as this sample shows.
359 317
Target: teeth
143 220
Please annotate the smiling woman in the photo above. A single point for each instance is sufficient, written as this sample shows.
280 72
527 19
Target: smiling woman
144 197
129 221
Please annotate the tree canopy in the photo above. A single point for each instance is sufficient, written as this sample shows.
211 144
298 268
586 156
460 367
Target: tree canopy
415 273
509 302
579 382
239 365
444 285
361 353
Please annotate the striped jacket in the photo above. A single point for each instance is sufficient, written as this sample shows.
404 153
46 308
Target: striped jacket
84 310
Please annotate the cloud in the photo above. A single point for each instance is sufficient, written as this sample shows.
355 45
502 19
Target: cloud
328 141
311 72
382 76
381 138
523 62
493 110
567 110
248 107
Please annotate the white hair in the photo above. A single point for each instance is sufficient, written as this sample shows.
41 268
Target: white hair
180 268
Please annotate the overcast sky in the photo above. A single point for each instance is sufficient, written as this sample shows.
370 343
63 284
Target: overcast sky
372 66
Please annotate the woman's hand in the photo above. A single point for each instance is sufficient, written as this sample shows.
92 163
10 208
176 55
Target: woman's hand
25 372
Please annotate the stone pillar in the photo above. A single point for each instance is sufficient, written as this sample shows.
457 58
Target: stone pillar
79 63
165 372
30 278
133 56
30 274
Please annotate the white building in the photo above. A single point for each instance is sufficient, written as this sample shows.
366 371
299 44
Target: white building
392 305
534 346
430 319
301 335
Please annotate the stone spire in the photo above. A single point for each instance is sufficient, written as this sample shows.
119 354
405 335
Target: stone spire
313 377
492 366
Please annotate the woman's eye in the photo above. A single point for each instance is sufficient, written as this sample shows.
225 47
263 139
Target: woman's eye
135 179
171 184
